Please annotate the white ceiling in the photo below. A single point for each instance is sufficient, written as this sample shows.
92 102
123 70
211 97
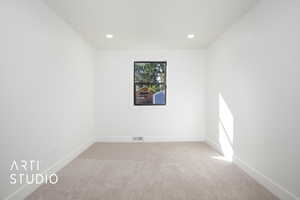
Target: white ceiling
150 24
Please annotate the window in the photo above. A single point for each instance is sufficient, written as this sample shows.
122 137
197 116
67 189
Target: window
150 83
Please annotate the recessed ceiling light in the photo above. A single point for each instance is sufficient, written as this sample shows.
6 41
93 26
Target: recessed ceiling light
190 36
109 36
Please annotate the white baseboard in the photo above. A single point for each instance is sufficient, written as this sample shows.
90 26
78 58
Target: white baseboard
26 189
268 183
173 139
114 139
214 145
149 139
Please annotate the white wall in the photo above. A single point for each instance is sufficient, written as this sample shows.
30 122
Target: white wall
183 118
255 67
46 87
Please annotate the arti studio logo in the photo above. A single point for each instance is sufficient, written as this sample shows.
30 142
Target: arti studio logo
28 172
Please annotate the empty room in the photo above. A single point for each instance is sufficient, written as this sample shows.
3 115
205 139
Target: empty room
150 99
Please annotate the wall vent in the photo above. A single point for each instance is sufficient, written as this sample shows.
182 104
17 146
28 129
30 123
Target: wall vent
138 139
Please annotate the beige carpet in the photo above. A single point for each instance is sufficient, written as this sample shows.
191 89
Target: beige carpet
151 171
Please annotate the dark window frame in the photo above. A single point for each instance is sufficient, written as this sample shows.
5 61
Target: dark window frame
136 83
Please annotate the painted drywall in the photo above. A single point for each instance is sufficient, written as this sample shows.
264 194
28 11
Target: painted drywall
183 118
254 69
134 29
46 88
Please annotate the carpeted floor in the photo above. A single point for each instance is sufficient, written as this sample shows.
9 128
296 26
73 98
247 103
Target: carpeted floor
152 171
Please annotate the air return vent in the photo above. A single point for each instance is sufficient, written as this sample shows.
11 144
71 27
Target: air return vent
138 139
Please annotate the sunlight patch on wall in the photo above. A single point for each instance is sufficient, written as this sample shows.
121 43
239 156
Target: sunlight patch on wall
226 129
